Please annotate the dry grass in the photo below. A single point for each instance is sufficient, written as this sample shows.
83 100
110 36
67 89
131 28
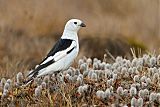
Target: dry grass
21 53
28 29
103 18
27 25
91 83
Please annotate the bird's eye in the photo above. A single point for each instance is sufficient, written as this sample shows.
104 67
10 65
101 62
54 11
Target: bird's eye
75 23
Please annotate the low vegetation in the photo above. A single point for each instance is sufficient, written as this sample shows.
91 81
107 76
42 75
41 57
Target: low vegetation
123 82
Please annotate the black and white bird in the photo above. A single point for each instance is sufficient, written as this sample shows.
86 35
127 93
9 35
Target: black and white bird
63 52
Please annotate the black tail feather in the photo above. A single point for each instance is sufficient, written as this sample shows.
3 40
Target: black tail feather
33 74
28 81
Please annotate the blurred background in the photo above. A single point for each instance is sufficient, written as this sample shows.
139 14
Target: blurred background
29 29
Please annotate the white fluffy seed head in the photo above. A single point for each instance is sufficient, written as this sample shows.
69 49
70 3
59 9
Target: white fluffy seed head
152 71
103 65
133 85
9 81
140 61
115 71
38 81
126 75
158 98
85 88
119 70
38 91
125 91
100 94
79 80
107 73
133 102
152 97
158 60
135 71
134 62
119 59
80 89
143 85
146 59
120 91
94 77
81 61
114 77
74 78
126 63
19 78
136 78
115 65
89 61
81 76
71 78
133 91
141 93
138 86
153 61
155 78
70 71
6 86
143 78
130 70
5 93
108 66
85 73
124 70
3 81
108 93
146 93
77 72
148 81
110 82
95 65
139 67
95 60
140 102
67 76
84 67
46 79
90 72
123 106
44 85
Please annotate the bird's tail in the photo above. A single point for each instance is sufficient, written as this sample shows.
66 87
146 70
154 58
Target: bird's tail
28 81
31 74
30 77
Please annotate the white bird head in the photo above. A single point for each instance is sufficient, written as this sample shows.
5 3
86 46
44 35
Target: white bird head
74 25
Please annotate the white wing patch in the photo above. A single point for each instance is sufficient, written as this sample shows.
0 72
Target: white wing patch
47 60
59 55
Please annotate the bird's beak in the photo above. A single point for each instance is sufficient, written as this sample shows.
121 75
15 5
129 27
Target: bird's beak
82 25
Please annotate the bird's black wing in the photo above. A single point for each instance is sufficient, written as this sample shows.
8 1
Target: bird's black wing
61 45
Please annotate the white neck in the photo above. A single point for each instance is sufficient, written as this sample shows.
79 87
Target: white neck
67 34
